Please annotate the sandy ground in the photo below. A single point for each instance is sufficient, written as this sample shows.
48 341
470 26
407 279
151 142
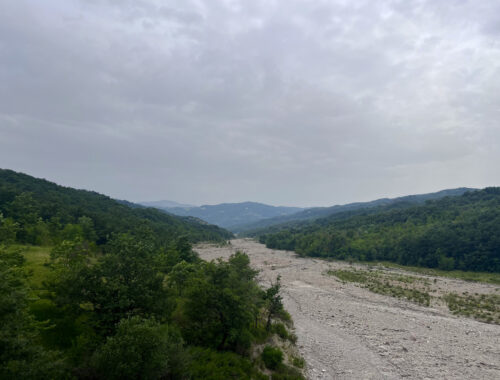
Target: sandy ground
347 332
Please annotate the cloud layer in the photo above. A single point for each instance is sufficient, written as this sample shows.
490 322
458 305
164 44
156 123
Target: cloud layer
287 102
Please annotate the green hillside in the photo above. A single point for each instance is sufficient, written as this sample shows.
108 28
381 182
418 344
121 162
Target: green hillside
42 212
91 288
461 232
279 222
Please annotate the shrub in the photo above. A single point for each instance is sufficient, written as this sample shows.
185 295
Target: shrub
298 362
287 373
208 364
272 357
280 329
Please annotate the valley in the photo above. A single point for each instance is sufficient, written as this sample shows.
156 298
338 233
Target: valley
346 331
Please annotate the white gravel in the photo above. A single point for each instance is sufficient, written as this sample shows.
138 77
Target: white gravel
347 332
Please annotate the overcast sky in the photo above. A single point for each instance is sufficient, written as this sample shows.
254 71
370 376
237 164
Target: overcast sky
284 102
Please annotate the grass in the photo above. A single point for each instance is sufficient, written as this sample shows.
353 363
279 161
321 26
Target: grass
36 260
395 285
483 307
485 277
35 265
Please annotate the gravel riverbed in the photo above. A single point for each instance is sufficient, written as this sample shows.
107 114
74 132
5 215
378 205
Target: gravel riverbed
347 332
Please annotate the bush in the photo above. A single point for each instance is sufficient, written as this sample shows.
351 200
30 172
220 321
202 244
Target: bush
209 364
285 316
272 357
298 362
280 329
287 373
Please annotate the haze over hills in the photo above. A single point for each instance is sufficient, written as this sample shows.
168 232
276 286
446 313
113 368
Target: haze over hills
227 215
165 204
245 217
321 212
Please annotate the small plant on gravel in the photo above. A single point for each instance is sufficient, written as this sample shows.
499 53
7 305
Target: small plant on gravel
292 338
280 329
285 317
298 362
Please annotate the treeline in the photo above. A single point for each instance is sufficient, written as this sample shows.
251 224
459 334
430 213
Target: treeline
341 211
36 211
460 232
125 299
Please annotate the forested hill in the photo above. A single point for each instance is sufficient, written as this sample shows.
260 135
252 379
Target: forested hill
322 212
460 232
42 212
229 215
91 288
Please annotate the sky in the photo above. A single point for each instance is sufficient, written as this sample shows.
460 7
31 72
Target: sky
286 102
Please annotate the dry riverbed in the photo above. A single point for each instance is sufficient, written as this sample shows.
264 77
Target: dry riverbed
346 331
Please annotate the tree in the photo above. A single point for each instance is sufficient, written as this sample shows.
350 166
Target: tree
8 230
142 349
274 301
21 355
185 251
123 282
221 304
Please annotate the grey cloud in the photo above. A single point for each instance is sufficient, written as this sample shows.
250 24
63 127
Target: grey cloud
289 102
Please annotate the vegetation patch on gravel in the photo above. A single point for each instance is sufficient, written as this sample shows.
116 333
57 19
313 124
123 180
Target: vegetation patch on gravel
395 285
484 277
483 307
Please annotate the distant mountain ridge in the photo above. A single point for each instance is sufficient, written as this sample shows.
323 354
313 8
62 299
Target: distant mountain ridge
227 215
322 212
165 204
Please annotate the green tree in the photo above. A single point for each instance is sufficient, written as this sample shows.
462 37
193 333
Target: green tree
221 304
185 251
21 354
8 230
274 302
123 282
142 349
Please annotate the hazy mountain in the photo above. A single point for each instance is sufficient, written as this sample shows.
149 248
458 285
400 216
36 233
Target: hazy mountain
228 215
321 212
165 204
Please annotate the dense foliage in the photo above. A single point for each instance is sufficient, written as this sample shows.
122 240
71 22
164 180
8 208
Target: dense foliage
461 232
37 211
122 294
137 311
21 352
